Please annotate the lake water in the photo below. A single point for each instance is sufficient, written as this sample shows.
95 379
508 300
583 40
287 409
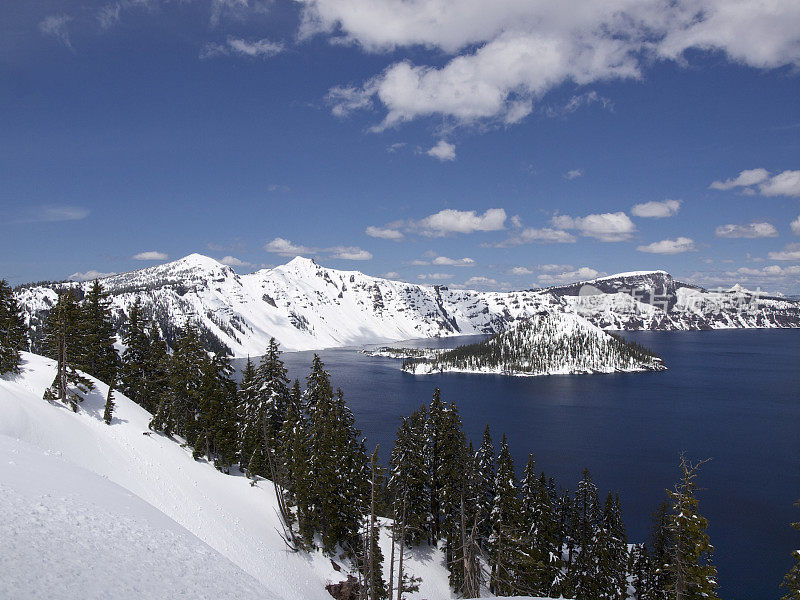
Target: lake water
733 396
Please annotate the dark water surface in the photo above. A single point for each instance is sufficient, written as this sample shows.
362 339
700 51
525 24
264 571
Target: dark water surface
733 396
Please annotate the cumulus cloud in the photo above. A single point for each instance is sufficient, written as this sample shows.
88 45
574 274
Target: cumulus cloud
450 221
745 178
501 61
751 230
89 275
443 151
770 271
392 275
349 253
606 227
573 174
480 281
453 262
790 252
150 255
285 247
676 246
232 261
656 209
384 233
582 274
435 276
531 235
795 225
520 271
786 183
56 26
783 184
262 48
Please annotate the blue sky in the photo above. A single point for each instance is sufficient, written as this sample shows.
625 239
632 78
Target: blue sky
434 141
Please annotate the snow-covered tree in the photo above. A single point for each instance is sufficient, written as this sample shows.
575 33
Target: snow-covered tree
13 333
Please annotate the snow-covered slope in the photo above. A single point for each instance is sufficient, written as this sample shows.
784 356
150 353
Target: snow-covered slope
101 511
546 344
69 533
306 306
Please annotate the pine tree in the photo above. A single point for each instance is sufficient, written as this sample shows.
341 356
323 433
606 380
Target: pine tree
294 438
792 579
373 563
64 343
99 356
585 527
694 575
660 551
246 400
408 479
108 411
132 374
505 552
13 333
485 467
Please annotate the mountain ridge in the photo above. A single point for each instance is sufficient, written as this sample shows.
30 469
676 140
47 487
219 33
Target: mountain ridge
306 306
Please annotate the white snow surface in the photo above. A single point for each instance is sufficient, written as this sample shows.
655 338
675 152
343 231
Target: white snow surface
101 511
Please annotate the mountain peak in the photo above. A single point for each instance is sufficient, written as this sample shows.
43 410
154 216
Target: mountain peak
301 261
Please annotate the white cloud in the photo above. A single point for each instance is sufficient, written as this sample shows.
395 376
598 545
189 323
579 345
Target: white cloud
786 183
443 151
285 247
790 252
606 227
384 233
677 246
435 276
240 47
582 274
461 221
782 184
481 281
531 235
89 275
656 210
349 253
501 61
770 271
150 255
392 275
56 26
453 262
746 178
751 230
553 268
573 174
232 261
795 225
520 271
52 214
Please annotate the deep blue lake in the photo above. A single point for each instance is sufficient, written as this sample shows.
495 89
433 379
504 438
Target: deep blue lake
733 396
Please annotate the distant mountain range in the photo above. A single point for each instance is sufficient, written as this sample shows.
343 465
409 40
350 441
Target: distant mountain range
306 306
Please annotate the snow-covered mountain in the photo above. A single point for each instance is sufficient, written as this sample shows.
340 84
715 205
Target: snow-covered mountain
654 300
306 306
545 344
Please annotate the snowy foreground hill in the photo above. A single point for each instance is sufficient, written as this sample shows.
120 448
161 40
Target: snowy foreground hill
101 511
306 306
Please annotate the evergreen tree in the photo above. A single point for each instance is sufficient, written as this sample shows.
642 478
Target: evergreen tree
108 411
792 579
246 400
294 438
505 551
408 480
660 551
694 575
132 376
585 529
539 529
99 356
13 333
64 343
485 467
